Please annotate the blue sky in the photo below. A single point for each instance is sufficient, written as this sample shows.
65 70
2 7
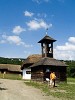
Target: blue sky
23 23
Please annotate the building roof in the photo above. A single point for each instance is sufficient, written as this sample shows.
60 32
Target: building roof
11 67
47 39
31 60
48 61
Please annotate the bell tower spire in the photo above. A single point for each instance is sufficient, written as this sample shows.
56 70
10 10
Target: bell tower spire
46 31
47 46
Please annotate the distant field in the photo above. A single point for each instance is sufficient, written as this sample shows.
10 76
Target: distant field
11 76
64 91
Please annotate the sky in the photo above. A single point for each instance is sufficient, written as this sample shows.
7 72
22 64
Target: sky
24 22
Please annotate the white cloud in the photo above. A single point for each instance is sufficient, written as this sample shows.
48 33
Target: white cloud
37 24
29 14
64 55
66 51
14 40
2 41
71 39
67 46
18 29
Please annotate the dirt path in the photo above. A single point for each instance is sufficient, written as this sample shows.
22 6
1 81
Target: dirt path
17 90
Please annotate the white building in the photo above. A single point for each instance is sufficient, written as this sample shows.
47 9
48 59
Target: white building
26 70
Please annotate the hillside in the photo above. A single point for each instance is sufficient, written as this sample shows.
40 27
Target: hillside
16 61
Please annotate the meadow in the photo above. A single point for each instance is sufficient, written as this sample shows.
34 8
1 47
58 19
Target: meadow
11 76
64 91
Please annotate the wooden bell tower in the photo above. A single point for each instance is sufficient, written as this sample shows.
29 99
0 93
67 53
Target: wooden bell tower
47 46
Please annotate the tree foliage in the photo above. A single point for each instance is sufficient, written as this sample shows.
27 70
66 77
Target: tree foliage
70 68
16 61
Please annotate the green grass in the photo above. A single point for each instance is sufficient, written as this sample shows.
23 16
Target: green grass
66 91
11 76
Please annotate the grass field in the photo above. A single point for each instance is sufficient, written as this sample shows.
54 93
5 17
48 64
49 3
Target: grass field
65 91
11 76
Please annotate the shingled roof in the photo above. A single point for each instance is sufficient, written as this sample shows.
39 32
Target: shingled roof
49 61
31 60
47 39
11 67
